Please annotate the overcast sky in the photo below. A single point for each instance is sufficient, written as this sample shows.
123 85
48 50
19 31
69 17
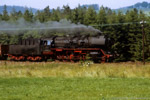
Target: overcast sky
40 4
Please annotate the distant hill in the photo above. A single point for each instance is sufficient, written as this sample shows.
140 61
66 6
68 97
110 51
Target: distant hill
17 8
95 6
144 6
22 9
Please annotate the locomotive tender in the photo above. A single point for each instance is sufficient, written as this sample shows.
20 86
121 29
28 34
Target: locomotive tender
64 48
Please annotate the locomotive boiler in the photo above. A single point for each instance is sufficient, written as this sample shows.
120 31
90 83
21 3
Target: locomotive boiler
80 42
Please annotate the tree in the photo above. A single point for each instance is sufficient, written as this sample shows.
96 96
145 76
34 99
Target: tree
46 14
5 14
28 15
14 15
67 13
82 12
14 39
134 35
43 16
56 15
4 39
40 16
90 16
0 17
75 16
101 17
120 38
19 14
31 34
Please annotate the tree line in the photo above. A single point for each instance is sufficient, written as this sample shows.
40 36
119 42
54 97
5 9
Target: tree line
123 30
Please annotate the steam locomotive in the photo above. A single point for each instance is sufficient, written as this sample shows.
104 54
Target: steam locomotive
63 48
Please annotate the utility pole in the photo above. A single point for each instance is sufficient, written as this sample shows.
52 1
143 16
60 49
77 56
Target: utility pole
143 36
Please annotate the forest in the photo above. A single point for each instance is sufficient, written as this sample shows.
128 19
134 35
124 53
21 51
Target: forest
123 30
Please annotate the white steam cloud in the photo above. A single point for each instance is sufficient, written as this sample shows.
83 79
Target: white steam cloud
51 27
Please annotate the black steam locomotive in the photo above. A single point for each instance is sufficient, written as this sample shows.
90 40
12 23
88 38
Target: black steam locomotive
64 48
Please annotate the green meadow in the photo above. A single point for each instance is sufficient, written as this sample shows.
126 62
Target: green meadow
74 81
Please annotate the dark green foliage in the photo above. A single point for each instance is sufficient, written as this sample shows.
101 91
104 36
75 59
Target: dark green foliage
82 12
0 17
14 39
14 15
4 39
43 16
90 17
75 16
28 16
5 16
40 16
134 35
101 16
31 34
67 12
46 13
55 15
19 13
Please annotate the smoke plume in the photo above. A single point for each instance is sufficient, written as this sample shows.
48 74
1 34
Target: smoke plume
52 27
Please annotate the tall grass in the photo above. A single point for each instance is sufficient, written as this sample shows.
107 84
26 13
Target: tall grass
60 69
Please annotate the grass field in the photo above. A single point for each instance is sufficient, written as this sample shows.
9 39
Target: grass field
59 69
74 89
74 81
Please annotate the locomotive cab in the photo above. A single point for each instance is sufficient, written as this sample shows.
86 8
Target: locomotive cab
46 44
